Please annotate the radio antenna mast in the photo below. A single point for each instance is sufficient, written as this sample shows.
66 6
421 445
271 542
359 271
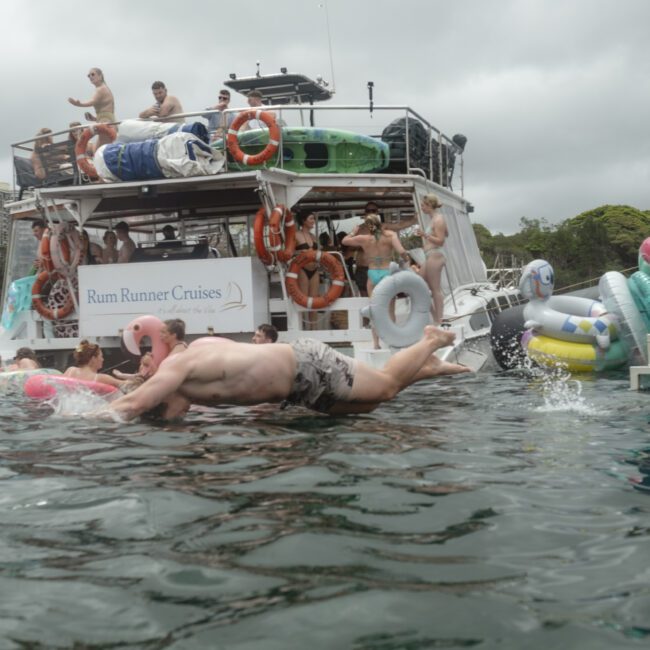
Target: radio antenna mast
323 5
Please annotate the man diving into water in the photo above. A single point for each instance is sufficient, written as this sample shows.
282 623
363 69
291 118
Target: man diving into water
305 372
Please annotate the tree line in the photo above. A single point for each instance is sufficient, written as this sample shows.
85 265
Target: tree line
580 249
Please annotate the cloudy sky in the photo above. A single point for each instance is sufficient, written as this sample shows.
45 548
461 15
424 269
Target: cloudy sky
553 95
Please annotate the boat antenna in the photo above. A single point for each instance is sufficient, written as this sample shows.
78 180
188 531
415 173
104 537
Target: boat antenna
371 85
257 74
323 5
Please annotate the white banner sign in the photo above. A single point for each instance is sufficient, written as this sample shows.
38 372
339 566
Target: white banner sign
228 295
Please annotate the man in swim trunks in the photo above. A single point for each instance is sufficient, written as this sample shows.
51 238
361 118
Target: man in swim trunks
305 372
102 101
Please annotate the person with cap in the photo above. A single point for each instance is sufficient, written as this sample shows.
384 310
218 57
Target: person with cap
433 241
128 245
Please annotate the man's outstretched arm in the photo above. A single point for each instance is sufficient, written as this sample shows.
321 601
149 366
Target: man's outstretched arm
161 386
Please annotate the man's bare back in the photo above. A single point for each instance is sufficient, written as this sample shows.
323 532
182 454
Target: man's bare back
226 372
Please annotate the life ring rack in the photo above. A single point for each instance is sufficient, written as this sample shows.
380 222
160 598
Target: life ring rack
281 234
268 151
331 265
84 161
55 313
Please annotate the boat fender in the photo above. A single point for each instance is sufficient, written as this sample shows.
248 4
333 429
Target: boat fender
44 256
331 265
409 332
271 147
40 386
84 162
505 337
581 320
618 299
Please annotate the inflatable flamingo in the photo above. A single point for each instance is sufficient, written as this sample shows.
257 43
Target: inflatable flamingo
150 326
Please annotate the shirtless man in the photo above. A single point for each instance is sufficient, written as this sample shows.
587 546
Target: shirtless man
265 333
102 101
305 372
165 105
128 245
378 247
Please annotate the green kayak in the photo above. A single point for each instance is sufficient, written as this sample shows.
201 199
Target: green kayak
312 150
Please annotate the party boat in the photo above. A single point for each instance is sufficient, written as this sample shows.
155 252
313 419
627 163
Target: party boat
244 282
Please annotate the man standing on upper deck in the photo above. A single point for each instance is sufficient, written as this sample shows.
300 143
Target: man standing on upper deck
165 106
219 122
102 101
128 245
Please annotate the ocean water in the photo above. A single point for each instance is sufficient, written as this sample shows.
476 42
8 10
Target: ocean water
504 510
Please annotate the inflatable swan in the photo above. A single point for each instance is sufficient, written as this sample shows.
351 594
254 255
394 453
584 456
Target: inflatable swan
576 333
569 318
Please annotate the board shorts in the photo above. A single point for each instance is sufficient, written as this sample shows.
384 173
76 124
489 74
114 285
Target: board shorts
323 376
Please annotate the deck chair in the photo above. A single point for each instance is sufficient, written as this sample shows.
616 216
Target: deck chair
25 178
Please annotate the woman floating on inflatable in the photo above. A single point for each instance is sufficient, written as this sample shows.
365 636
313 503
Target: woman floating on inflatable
576 333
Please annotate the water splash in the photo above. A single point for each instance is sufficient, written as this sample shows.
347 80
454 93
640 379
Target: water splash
77 403
563 392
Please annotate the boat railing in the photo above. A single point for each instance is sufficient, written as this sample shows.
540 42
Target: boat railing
415 146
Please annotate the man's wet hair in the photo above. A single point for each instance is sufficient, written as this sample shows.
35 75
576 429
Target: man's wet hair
158 84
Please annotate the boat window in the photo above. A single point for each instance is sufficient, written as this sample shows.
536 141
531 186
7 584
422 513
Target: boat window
480 320
503 302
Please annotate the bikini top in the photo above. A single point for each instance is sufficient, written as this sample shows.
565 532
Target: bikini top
305 246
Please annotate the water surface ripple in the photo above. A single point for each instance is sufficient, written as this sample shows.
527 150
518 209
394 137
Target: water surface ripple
500 510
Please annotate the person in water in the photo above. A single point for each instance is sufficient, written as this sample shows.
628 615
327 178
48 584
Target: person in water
146 370
305 372
265 333
90 359
433 241
378 246
25 359
172 334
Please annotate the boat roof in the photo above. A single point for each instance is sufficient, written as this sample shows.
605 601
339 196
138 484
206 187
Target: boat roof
233 196
283 88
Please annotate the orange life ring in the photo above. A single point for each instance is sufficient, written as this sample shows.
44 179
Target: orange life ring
282 239
44 256
37 298
268 151
331 264
81 148
258 237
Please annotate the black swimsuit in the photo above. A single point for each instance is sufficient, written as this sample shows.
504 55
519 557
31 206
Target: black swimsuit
305 247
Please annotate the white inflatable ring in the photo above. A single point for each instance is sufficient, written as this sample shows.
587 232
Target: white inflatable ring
408 333
618 299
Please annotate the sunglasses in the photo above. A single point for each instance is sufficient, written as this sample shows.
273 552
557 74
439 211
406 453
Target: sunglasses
224 97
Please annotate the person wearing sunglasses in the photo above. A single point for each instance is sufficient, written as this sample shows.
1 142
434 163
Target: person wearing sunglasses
102 101
219 122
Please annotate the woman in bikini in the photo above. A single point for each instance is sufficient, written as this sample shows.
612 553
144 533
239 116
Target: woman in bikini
433 241
378 247
308 276
172 334
90 359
